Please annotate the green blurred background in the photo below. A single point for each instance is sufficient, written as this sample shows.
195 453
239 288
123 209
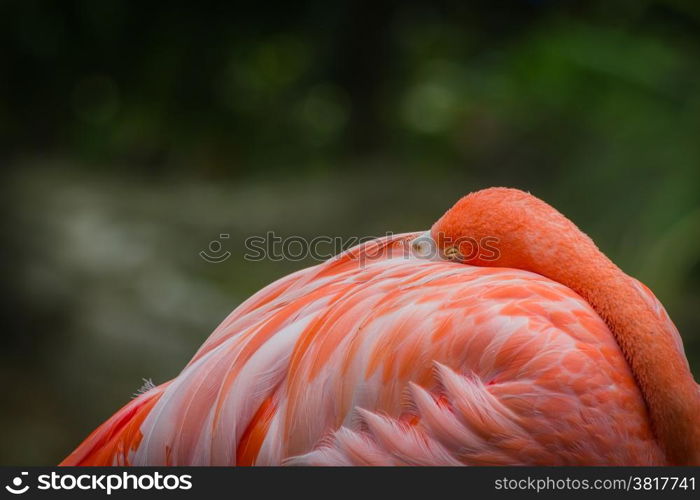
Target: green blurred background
132 136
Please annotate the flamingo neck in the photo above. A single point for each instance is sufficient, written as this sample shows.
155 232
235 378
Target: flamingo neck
647 342
534 236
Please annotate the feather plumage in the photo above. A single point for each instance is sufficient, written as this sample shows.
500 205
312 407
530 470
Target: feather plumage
377 357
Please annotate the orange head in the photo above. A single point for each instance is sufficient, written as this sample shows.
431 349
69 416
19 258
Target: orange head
505 227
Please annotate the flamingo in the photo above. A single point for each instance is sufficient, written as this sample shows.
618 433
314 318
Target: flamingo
542 352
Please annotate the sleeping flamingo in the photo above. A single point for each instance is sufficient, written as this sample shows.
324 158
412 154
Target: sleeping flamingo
542 352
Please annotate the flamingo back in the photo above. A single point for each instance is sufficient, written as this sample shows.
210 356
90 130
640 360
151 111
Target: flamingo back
377 357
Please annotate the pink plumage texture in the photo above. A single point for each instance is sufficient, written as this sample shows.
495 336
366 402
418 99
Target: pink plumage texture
394 360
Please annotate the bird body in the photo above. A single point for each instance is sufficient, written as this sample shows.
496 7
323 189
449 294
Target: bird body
382 357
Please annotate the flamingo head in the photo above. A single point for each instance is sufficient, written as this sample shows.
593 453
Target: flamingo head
500 227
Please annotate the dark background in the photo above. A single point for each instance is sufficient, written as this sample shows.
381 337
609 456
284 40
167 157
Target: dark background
133 134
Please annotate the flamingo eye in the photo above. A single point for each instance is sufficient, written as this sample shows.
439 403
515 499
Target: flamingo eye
452 253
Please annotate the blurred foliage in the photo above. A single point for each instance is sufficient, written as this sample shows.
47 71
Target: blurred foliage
132 136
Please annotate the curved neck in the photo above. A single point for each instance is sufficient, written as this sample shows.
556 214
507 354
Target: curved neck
535 237
648 340
650 347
